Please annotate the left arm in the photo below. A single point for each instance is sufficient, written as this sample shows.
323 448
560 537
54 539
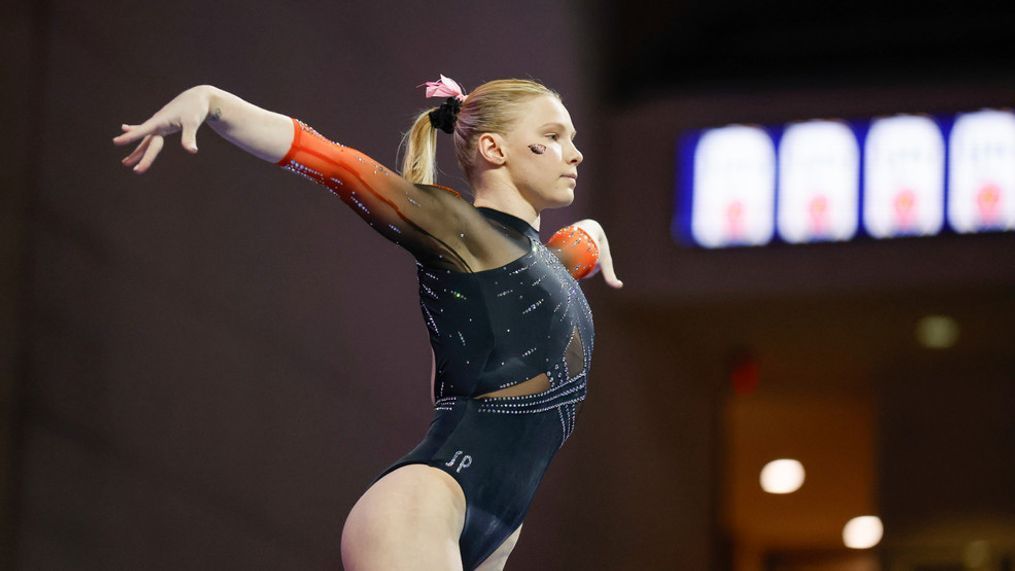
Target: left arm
583 249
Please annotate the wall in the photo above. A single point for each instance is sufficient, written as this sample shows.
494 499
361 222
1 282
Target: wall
219 356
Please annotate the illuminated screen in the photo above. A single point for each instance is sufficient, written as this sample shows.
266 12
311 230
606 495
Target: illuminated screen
982 174
734 179
904 177
819 183
834 180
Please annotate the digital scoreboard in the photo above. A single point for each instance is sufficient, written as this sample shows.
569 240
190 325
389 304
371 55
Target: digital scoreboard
832 180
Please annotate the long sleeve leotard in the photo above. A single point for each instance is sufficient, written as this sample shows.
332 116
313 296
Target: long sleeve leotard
505 315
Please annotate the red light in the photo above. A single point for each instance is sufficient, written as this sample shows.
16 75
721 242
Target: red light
744 374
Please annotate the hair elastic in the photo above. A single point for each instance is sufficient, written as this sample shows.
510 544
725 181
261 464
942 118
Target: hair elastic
445 116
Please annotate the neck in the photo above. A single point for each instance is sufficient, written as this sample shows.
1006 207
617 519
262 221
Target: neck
507 199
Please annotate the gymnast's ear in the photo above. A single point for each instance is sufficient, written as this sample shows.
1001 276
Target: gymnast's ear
491 148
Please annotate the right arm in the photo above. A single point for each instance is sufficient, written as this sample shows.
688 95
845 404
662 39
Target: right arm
262 133
420 218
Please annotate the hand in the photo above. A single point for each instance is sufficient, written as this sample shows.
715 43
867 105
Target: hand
595 230
186 112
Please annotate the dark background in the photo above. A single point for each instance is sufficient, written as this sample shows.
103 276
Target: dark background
204 366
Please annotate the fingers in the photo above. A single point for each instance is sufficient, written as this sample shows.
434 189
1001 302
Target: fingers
184 113
132 133
135 156
154 146
189 137
606 264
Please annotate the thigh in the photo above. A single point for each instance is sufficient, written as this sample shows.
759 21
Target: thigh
409 519
497 559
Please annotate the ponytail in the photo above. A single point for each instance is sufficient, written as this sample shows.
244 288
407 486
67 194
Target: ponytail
419 165
493 107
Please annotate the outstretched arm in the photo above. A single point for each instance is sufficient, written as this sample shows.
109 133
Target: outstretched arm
420 218
583 249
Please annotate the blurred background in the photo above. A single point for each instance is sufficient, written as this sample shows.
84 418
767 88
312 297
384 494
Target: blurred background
205 366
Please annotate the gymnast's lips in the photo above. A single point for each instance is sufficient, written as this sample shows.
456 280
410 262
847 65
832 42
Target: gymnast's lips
574 176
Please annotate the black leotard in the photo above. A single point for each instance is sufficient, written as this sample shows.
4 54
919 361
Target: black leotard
502 310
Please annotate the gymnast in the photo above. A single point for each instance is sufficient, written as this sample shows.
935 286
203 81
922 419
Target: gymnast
510 329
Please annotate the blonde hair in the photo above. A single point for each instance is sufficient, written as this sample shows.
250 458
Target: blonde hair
493 107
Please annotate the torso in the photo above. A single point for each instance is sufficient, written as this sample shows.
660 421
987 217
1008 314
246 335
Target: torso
493 330
512 347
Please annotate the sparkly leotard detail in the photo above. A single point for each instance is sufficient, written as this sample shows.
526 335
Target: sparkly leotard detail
524 319
503 312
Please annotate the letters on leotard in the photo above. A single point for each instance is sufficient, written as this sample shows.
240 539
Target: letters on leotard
465 463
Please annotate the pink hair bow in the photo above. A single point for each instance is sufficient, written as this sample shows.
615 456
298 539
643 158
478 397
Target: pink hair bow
446 87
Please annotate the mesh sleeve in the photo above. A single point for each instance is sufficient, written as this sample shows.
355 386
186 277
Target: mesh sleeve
419 218
576 250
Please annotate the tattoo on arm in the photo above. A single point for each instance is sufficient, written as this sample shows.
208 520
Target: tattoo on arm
215 114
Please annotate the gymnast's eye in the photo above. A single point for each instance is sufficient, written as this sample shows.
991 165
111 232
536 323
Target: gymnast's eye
553 136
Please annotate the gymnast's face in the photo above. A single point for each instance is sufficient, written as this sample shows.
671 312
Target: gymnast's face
540 154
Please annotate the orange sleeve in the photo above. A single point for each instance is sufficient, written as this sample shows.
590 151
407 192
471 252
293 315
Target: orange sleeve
576 250
417 217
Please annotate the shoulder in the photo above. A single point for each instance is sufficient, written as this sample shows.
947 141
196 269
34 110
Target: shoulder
448 200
